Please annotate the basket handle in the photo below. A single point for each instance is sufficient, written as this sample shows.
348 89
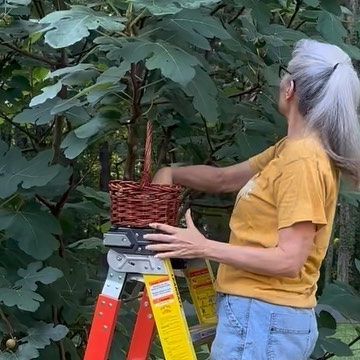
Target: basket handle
146 175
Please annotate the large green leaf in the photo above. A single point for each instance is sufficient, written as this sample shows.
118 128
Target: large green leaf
336 346
92 127
48 92
67 27
73 145
78 75
71 288
54 188
173 62
39 115
86 208
196 28
259 10
352 50
162 7
343 298
332 6
16 170
77 115
70 70
24 299
103 89
18 2
36 273
40 336
114 74
89 244
331 27
24 352
283 33
203 91
32 228
90 193
313 3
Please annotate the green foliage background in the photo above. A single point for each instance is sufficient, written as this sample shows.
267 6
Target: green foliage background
78 82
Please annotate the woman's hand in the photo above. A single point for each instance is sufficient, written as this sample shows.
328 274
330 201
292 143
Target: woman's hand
181 243
163 177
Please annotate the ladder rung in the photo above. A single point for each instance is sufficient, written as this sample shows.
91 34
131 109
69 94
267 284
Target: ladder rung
202 334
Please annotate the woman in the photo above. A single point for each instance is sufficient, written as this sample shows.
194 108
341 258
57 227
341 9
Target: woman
282 219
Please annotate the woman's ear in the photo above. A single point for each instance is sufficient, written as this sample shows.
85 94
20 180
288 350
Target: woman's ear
290 90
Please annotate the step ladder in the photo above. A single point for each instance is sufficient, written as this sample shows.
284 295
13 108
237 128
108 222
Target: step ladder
160 307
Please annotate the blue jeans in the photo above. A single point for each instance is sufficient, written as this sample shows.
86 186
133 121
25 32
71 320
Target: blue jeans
250 329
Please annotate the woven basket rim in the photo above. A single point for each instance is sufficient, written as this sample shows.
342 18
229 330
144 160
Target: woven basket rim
138 184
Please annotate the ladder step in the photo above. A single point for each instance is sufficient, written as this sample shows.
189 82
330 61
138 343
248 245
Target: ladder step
202 334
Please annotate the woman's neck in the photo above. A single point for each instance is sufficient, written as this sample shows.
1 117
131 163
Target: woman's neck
296 125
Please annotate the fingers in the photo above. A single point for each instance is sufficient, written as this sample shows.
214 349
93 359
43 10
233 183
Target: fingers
160 247
167 255
188 218
164 227
159 237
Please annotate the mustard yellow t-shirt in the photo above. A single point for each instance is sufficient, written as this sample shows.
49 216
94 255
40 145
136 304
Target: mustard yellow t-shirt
295 181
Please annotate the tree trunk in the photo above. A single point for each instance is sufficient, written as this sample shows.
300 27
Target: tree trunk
104 158
347 222
329 262
129 171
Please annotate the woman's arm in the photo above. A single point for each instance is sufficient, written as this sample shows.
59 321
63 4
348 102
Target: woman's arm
207 178
287 259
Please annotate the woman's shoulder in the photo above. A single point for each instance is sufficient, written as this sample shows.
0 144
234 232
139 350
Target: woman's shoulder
305 149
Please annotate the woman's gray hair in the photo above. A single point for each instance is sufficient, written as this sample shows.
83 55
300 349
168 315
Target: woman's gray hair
328 89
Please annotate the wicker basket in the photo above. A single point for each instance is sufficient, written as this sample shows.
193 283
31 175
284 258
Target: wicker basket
136 204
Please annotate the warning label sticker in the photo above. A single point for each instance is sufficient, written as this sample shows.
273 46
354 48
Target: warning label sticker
161 290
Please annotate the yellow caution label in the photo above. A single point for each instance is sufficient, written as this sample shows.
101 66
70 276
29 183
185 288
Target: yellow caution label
201 285
169 316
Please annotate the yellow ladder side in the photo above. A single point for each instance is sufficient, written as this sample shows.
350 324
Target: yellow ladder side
169 315
200 280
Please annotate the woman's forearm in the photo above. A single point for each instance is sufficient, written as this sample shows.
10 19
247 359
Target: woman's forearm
263 261
199 177
206 178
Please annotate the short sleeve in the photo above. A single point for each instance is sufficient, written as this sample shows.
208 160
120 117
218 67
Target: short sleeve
259 161
299 194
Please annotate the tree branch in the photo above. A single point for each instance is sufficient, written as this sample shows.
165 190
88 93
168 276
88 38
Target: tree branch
46 202
57 135
6 321
39 8
28 54
20 128
297 27
217 8
208 136
248 91
137 83
60 204
60 5
297 8
237 15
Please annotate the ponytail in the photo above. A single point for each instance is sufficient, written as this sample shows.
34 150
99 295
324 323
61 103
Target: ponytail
328 89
